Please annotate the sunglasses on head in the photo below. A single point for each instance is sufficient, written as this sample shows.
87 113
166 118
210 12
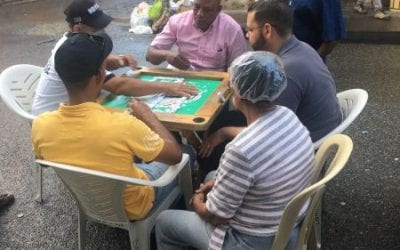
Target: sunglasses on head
98 40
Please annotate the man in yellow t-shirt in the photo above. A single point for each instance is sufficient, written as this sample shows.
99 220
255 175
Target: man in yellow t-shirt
83 133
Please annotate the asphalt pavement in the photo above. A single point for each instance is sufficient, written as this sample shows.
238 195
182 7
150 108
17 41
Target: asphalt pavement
360 208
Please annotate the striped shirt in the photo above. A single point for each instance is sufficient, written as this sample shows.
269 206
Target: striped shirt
259 173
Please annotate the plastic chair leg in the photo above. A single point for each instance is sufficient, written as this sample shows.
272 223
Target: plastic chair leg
185 181
81 230
312 241
317 226
133 238
143 239
38 170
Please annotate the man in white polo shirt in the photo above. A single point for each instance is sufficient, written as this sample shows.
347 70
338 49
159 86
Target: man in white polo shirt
86 16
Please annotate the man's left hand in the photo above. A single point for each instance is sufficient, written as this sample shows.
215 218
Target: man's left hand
205 188
208 145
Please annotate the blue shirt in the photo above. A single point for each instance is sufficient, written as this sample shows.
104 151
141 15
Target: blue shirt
318 21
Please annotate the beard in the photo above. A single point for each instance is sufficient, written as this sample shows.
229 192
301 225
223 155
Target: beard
202 25
259 44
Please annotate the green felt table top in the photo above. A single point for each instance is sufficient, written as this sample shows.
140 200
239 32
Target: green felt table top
177 105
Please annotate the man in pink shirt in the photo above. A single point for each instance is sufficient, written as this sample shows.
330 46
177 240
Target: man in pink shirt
207 39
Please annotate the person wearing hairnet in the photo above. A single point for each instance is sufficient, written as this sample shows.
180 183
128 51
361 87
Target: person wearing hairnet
262 168
310 91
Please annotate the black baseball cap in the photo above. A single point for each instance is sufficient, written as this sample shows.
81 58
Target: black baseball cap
81 56
86 12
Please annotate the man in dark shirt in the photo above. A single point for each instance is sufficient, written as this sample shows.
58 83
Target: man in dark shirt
319 23
311 90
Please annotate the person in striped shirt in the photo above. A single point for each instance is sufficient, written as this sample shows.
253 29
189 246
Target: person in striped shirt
310 91
261 170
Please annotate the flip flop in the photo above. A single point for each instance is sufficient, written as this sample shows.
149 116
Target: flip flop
6 199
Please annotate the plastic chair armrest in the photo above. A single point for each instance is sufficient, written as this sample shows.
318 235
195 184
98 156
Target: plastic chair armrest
165 179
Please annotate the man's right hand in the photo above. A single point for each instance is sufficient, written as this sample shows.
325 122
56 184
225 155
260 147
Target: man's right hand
180 89
141 111
178 61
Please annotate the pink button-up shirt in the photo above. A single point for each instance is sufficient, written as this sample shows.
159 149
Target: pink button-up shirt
213 49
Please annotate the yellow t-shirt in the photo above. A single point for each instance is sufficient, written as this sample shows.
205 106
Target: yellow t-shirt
89 136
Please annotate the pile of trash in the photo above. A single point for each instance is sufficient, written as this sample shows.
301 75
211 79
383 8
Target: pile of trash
149 19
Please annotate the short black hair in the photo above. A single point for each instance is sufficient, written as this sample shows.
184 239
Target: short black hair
80 57
275 12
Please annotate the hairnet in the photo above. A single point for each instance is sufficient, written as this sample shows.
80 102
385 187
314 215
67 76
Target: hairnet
257 76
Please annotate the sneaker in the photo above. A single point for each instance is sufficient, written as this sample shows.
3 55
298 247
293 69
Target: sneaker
359 9
381 15
6 199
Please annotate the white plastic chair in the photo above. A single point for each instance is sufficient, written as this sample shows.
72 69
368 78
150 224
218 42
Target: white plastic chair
17 89
351 103
99 198
343 146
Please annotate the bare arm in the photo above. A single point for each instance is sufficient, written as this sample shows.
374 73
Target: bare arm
218 137
198 203
171 152
135 87
158 56
231 132
114 62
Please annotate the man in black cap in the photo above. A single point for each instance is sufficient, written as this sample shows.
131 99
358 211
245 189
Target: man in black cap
84 133
86 16
87 13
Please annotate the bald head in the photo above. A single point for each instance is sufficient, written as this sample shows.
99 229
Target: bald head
216 2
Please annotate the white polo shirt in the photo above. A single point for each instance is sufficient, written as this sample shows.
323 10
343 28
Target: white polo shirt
51 90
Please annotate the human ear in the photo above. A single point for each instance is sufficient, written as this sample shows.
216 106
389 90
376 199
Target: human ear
100 76
235 101
267 30
75 28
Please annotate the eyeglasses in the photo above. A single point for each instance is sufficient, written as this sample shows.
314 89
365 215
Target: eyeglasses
248 29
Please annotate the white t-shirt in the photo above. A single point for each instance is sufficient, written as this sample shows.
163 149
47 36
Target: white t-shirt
51 90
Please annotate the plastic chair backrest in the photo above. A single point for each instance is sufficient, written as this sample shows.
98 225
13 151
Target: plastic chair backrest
100 195
344 146
17 88
351 103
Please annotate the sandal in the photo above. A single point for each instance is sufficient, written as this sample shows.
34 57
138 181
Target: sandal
6 199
